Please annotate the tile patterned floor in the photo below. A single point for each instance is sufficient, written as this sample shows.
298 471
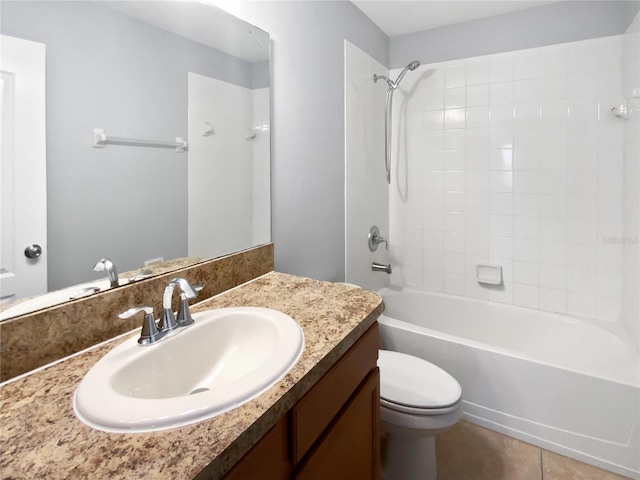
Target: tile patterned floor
470 452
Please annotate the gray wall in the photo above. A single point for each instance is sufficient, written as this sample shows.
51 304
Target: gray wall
106 70
260 75
536 27
308 126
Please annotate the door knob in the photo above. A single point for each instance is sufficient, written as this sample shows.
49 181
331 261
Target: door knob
33 251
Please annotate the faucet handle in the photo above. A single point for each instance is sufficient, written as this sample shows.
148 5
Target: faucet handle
150 333
188 291
375 239
143 275
132 311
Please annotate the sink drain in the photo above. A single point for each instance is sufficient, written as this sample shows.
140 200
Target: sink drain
199 390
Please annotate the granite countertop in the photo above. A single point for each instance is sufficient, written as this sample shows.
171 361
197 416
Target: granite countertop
42 438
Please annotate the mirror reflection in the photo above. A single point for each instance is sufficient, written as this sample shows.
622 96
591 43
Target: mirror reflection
136 132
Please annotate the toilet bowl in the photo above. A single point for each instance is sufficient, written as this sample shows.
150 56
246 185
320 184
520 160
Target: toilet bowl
418 400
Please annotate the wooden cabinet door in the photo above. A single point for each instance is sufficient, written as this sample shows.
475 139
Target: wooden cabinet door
314 412
267 460
349 449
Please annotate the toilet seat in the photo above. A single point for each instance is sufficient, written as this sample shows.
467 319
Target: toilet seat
414 386
418 411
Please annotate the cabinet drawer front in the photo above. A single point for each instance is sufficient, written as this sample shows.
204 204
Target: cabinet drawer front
314 412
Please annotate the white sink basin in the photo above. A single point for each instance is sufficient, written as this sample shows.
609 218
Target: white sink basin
228 357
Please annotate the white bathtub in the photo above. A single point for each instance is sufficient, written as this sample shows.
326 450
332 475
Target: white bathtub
566 385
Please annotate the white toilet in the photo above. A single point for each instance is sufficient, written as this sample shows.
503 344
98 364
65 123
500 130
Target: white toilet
418 400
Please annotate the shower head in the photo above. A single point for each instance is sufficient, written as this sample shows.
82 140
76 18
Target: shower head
393 85
412 66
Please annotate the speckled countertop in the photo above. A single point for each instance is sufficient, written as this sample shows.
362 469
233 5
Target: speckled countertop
40 436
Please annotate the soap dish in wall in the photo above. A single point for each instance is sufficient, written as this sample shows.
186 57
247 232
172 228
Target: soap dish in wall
487 274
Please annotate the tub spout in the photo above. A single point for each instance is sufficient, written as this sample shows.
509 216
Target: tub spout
379 267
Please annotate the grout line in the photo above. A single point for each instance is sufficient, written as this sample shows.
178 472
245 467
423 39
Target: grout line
541 465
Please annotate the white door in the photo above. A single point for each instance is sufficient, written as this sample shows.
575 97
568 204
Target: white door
23 181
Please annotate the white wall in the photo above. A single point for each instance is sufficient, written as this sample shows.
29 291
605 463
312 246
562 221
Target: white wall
366 189
514 159
220 191
630 81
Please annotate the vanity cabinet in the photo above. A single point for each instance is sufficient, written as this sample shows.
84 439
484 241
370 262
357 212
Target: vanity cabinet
349 447
269 458
332 431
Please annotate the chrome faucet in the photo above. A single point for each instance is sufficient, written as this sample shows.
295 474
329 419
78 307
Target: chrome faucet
168 321
150 333
106 264
154 330
379 267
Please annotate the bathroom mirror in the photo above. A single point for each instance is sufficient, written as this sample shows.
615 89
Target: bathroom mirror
157 141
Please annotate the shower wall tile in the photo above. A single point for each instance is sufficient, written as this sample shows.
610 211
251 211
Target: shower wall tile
518 162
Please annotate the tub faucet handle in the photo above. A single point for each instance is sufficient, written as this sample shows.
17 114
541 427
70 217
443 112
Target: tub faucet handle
375 239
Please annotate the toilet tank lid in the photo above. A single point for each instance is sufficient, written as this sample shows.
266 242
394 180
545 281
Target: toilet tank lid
414 382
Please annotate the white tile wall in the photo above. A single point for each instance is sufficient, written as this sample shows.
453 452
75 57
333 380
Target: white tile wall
518 162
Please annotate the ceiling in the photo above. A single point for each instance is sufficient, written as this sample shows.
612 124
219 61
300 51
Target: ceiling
399 17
